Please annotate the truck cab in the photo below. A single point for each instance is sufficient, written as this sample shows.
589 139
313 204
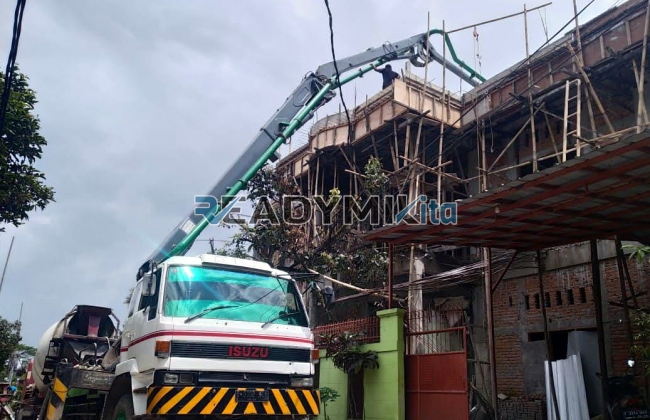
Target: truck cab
214 335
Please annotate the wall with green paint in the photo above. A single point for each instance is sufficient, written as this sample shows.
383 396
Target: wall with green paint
384 387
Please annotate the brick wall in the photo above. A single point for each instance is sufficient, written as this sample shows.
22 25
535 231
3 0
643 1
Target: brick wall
520 349
523 408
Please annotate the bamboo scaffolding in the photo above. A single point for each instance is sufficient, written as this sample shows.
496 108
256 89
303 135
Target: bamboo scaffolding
512 141
640 93
587 81
551 135
497 19
434 170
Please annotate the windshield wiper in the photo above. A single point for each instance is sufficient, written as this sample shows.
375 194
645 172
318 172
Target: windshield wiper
208 310
279 317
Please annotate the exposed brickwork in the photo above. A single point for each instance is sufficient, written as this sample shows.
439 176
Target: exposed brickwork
523 408
570 305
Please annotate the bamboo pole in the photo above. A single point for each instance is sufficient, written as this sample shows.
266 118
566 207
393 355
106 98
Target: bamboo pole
484 159
552 136
532 132
347 285
642 67
642 103
393 147
512 141
444 111
547 336
489 309
497 19
530 78
598 302
590 109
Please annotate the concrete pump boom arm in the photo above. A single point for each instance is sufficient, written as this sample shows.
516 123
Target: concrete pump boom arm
315 90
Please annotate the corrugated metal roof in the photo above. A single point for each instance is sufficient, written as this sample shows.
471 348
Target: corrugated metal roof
596 196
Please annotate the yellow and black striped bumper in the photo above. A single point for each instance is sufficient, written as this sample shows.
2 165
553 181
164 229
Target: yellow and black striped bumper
168 400
68 377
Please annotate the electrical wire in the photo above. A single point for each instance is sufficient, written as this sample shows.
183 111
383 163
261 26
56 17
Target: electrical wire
336 69
11 61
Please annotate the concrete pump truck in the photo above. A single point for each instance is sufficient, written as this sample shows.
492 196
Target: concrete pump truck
206 335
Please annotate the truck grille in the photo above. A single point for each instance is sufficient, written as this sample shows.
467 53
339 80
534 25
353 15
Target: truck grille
235 352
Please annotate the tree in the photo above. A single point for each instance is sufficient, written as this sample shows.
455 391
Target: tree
334 249
337 249
345 352
641 317
9 339
21 185
27 349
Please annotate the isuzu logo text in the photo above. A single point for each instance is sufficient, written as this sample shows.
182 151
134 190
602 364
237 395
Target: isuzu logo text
248 352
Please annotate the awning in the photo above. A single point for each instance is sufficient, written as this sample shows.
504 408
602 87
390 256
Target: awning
603 193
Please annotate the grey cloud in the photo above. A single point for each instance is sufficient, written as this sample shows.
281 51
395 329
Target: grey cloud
145 104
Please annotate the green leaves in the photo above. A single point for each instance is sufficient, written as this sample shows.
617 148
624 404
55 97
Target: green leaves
376 181
327 395
346 355
640 348
638 251
21 185
9 339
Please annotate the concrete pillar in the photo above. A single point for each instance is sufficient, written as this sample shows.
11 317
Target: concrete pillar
384 388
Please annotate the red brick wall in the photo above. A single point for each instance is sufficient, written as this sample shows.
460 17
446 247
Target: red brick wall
514 323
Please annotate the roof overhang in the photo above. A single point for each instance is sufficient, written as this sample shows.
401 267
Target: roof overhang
599 195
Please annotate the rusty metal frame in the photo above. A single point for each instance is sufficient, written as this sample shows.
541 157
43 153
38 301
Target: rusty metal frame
462 354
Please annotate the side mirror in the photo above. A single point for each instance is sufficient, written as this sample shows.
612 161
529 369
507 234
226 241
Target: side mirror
148 284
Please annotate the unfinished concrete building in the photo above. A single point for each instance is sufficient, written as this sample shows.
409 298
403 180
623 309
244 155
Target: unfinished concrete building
575 108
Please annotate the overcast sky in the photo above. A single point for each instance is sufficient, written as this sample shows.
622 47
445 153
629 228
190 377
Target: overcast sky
145 104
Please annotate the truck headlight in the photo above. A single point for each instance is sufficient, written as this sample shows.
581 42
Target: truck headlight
179 378
302 382
170 378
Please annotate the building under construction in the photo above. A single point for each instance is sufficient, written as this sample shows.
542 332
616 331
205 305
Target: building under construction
549 164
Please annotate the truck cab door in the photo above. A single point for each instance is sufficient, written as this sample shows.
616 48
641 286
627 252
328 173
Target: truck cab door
127 333
144 324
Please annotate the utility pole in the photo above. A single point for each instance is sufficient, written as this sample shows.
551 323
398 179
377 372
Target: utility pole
4 270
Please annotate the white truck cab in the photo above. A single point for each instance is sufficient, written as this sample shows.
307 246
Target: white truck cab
214 335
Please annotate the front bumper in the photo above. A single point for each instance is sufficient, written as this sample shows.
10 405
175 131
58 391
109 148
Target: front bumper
200 400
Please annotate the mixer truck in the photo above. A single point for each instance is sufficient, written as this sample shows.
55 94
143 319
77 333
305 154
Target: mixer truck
207 335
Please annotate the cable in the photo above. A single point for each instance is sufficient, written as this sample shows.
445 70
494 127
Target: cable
11 61
336 69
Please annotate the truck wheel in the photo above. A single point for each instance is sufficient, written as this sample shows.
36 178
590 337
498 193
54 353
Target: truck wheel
124 408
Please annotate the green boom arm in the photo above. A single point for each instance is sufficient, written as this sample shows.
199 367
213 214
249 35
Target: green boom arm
313 92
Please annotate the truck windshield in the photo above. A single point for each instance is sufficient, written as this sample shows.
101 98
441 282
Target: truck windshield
245 296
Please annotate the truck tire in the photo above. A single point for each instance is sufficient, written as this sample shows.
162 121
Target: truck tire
124 408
